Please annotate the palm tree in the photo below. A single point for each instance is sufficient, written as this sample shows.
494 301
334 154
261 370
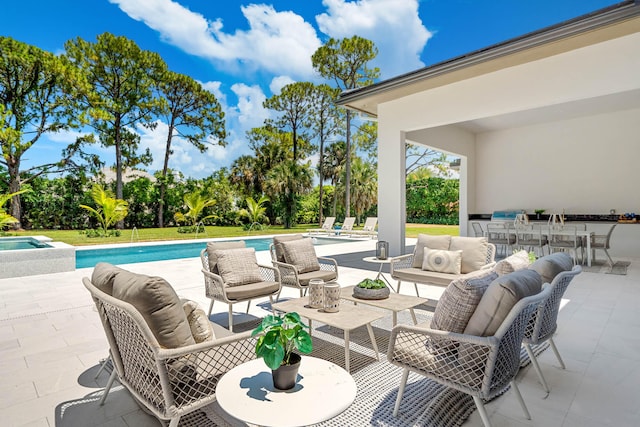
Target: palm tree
334 168
195 203
110 210
364 187
255 209
7 220
286 182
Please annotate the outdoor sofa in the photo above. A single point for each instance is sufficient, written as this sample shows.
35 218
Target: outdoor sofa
438 260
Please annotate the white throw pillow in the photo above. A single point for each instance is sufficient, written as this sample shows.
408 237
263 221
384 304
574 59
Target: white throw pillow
442 261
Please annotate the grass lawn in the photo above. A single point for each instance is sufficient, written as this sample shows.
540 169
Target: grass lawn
73 237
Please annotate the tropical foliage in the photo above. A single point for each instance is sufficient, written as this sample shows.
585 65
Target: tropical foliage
109 210
195 203
280 337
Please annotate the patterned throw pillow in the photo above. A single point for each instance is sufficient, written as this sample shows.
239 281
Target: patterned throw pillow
499 299
442 261
460 299
238 266
201 327
515 262
301 254
431 242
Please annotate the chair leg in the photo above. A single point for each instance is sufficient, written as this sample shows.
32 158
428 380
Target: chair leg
398 288
108 387
415 285
273 311
557 353
104 365
536 365
520 399
278 296
482 411
606 252
230 318
248 305
403 383
211 307
174 422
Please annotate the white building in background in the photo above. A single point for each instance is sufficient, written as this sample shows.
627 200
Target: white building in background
549 120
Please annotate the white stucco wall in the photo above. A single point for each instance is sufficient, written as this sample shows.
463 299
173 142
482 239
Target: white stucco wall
583 165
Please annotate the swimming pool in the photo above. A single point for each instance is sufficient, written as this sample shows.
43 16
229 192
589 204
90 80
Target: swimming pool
19 243
26 256
161 252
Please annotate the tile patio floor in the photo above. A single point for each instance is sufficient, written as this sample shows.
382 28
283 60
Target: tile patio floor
51 341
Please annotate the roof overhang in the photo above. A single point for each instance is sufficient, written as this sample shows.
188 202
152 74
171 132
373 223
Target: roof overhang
606 24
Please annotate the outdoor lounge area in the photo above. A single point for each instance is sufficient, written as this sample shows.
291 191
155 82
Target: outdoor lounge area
53 342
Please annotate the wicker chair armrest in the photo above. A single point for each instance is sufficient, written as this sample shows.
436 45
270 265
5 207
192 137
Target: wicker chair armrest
488 266
456 360
190 374
269 273
402 261
214 285
328 263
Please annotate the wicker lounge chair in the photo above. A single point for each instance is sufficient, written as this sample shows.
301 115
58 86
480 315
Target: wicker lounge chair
171 382
481 366
247 281
543 324
296 260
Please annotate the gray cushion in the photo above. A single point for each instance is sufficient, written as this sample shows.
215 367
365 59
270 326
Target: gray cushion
238 266
417 275
431 242
103 276
460 299
301 254
277 243
474 252
252 290
158 303
515 262
325 275
499 298
549 266
201 327
442 261
212 247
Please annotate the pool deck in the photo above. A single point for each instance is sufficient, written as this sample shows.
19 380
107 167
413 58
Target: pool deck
51 342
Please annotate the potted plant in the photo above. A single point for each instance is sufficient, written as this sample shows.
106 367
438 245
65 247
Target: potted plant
539 212
371 289
281 336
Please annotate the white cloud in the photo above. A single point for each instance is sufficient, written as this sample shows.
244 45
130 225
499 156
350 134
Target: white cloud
277 83
249 111
272 34
394 27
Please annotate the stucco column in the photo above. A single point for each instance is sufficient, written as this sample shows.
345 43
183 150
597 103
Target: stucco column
391 187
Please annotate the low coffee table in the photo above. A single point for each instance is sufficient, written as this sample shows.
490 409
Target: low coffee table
395 302
348 318
323 391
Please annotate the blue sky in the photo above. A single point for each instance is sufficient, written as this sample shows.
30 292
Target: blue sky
246 51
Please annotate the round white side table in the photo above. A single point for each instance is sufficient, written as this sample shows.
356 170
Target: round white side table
323 391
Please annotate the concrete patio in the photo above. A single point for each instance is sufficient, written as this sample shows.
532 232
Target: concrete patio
51 342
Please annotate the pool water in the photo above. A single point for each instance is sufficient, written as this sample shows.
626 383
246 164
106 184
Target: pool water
12 244
162 252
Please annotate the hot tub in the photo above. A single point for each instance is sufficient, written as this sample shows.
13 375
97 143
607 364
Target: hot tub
26 256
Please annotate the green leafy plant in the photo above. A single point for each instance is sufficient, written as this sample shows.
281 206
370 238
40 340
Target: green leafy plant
196 203
5 219
532 257
372 284
282 335
539 211
110 210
